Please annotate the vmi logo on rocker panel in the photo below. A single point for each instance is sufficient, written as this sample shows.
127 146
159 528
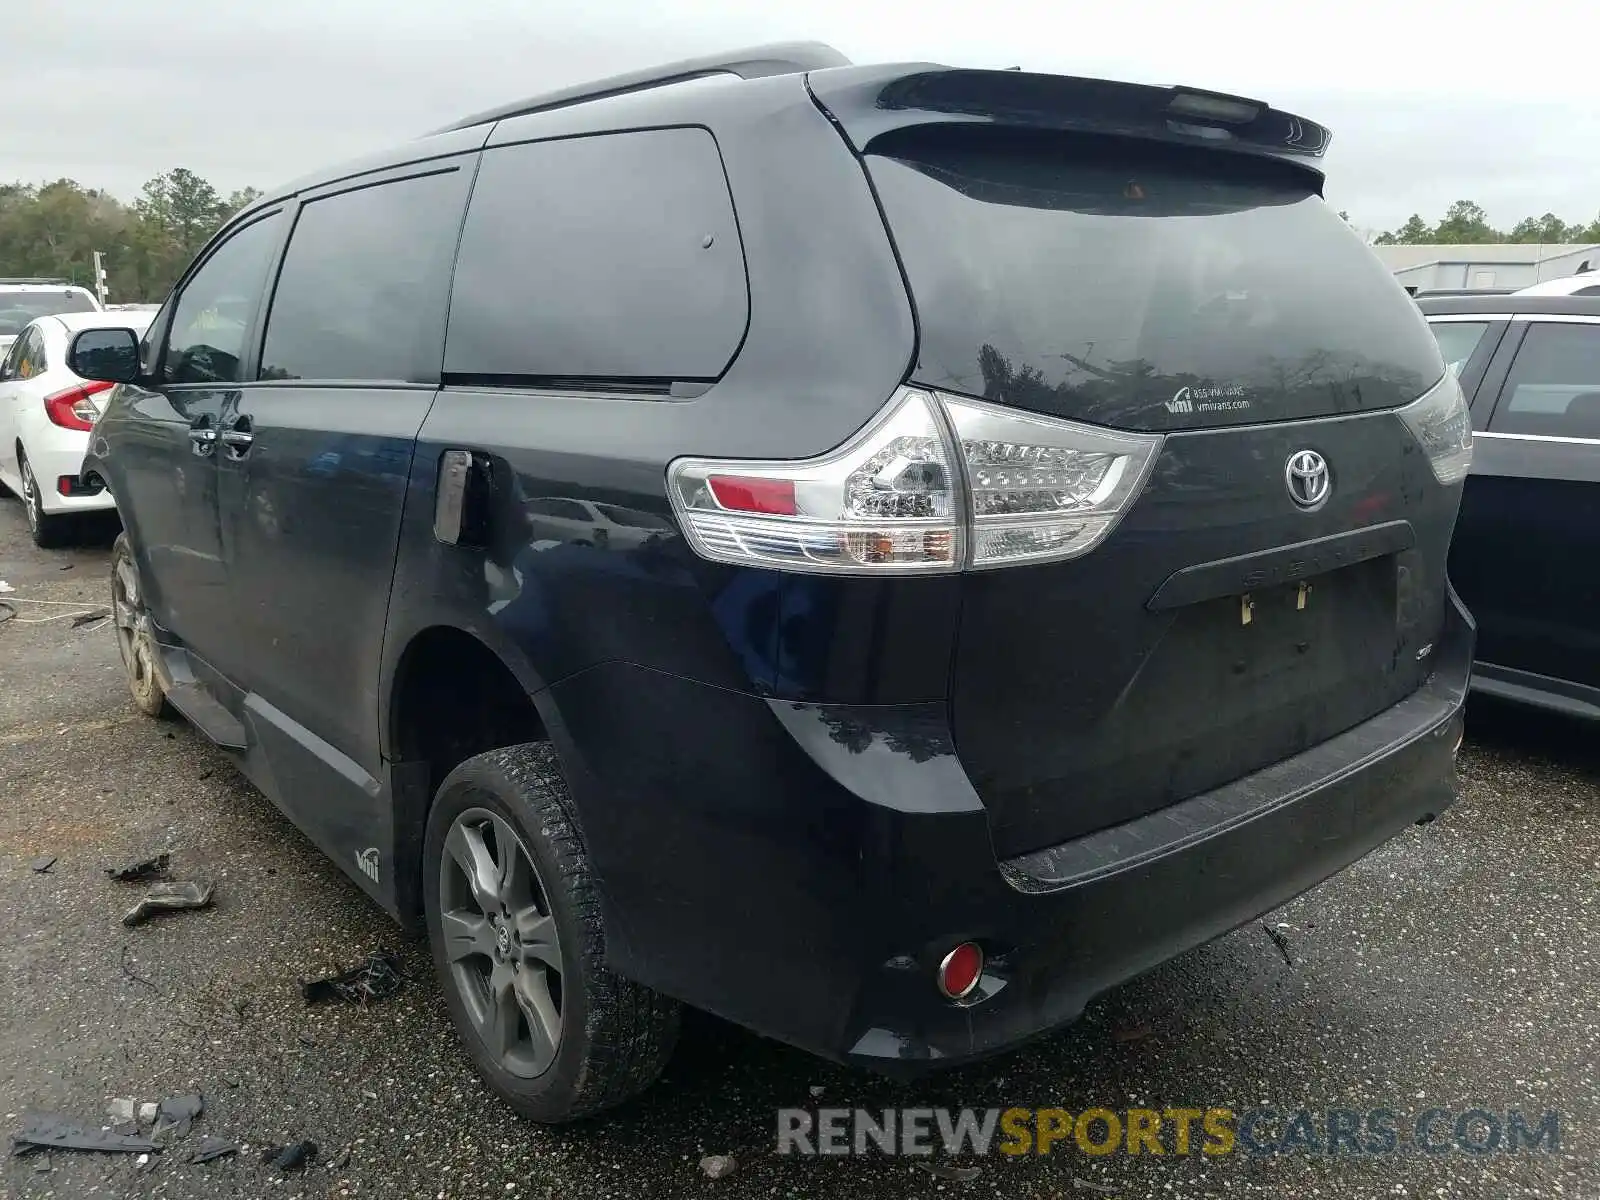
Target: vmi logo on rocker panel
367 860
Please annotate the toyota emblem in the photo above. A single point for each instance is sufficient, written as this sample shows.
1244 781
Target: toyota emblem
1309 482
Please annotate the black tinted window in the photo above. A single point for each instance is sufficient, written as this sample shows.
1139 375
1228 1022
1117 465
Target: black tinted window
362 283
1457 340
1554 386
213 313
612 257
1140 285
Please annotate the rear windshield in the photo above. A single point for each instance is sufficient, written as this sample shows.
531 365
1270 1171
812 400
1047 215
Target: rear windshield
18 309
1140 285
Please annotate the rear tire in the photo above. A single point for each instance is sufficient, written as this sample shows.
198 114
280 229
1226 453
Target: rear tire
48 530
135 641
514 921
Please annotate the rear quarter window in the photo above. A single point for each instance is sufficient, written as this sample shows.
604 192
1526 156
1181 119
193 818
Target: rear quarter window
1554 386
1457 340
598 260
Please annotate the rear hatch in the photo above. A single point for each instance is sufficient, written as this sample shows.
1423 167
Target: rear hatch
1145 284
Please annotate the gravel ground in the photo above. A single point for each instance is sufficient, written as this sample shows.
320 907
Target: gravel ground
1457 966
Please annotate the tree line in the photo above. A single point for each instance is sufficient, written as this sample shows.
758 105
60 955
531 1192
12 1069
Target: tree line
1466 223
52 231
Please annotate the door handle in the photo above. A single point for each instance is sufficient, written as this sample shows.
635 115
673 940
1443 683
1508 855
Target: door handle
202 437
238 437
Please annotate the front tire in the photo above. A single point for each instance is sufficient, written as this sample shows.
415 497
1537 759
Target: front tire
135 641
514 921
47 530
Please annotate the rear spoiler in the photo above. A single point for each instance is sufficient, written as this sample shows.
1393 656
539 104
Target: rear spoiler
868 102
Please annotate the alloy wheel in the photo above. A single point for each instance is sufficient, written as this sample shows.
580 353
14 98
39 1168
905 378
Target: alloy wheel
132 623
32 505
501 941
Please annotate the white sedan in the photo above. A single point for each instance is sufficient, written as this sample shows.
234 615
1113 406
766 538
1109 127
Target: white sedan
46 415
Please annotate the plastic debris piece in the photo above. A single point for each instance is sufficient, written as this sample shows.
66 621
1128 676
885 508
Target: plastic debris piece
7 611
377 978
951 1171
89 618
169 897
138 872
42 1131
212 1148
43 863
293 1157
719 1166
175 1115
122 1109
6 587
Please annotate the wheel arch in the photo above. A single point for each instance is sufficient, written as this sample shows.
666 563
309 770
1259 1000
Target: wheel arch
450 696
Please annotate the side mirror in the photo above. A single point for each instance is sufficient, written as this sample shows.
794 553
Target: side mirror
106 355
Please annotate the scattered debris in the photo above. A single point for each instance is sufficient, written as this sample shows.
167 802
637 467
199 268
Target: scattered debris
376 979
816 1090
122 1110
64 567
339 1161
43 863
42 1166
41 1131
951 1171
719 1166
293 1157
1132 1033
6 587
7 611
122 960
211 1148
89 618
169 897
143 1160
138 872
148 1111
369 1095
1083 1185
175 1115
1281 942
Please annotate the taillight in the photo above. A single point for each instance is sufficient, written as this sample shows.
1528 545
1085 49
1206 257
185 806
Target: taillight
900 499
885 501
71 407
1442 425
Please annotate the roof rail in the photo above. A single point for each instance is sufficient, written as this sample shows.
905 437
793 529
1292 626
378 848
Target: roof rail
31 279
755 62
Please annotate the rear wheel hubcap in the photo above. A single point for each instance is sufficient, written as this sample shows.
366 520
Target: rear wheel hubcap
501 942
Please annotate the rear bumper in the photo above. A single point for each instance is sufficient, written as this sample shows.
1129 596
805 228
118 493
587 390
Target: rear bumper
49 464
812 875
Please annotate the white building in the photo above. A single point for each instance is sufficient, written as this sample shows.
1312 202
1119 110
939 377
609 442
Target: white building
1502 265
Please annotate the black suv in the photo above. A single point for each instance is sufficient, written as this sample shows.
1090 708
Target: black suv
1526 554
1037 562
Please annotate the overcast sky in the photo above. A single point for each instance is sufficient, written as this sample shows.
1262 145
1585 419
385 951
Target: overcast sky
1428 102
